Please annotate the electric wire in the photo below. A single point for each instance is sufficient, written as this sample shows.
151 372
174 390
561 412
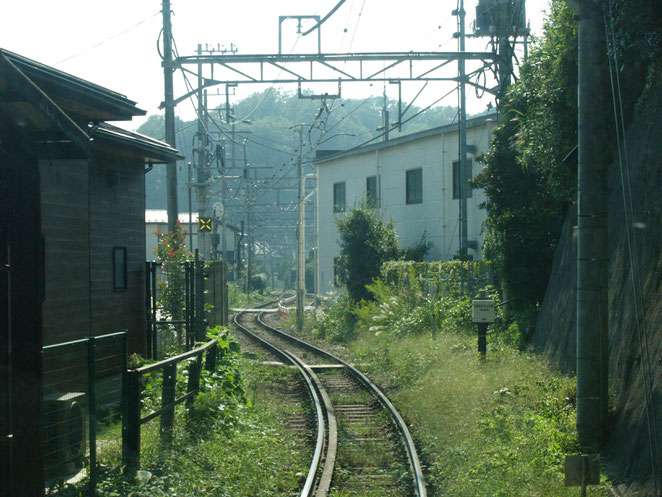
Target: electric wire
403 122
635 267
110 38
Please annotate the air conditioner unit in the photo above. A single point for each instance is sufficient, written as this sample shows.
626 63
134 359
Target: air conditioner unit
65 426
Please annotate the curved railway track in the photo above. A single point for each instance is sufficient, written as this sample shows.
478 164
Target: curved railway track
362 445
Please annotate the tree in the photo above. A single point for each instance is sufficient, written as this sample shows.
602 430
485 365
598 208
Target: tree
528 184
366 242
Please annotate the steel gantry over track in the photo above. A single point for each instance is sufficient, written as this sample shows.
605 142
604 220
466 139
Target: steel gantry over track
233 69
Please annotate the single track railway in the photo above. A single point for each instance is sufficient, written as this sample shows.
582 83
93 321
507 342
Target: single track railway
362 446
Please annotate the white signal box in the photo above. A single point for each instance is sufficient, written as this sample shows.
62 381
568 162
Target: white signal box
482 309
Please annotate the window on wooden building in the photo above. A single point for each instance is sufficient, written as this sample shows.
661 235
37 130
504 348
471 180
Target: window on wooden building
371 195
339 197
457 178
414 180
119 269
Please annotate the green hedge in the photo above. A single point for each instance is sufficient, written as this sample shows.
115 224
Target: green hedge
440 276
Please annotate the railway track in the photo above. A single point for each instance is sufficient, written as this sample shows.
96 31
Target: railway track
362 446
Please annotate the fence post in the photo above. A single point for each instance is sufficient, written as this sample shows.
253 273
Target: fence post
210 359
148 310
131 424
187 302
199 300
153 330
193 378
224 288
168 399
92 409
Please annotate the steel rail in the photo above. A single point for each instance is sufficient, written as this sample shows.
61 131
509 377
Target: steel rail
417 471
308 487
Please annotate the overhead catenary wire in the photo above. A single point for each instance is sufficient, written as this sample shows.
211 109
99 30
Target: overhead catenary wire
404 122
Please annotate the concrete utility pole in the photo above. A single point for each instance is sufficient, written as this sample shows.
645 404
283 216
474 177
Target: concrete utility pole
168 103
224 246
462 125
202 197
301 238
592 195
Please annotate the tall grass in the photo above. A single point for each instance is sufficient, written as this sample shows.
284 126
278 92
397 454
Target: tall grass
498 427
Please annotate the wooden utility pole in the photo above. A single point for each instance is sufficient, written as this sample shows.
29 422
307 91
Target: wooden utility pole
592 197
168 103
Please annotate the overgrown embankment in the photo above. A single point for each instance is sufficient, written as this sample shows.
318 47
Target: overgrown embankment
230 442
630 443
498 427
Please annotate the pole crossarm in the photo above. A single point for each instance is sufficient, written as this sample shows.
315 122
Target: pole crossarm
321 68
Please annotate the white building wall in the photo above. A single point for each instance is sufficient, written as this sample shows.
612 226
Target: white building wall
437 216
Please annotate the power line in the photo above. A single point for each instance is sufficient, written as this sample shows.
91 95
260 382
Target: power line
107 39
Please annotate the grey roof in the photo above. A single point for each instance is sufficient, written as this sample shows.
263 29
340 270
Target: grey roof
150 149
61 85
439 130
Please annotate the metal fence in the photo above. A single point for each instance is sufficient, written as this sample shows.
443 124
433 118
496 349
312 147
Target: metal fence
201 291
167 328
84 385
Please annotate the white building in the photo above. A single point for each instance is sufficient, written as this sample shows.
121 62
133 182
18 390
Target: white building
157 219
414 180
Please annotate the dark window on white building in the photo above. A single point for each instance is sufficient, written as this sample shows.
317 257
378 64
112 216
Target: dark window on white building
339 197
467 178
371 195
414 180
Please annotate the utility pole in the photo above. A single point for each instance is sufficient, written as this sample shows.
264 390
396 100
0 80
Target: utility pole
168 103
592 261
301 237
224 242
386 117
462 128
201 176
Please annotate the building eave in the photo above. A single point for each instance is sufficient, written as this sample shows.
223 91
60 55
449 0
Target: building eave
149 149
95 102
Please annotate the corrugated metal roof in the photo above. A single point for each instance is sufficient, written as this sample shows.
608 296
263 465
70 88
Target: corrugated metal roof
439 130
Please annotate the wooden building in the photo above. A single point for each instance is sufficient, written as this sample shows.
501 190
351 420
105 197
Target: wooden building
72 239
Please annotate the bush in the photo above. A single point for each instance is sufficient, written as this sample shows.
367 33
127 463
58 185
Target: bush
258 283
337 323
366 242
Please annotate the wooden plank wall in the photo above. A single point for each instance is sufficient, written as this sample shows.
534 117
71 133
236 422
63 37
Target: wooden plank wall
22 467
117 187
65 225
80 234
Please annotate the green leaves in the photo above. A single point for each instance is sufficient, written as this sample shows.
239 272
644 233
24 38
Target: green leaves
528 184
366 242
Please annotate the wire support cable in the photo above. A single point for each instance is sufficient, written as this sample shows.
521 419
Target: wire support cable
635 267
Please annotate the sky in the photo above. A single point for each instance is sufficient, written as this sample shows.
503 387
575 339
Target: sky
114 43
